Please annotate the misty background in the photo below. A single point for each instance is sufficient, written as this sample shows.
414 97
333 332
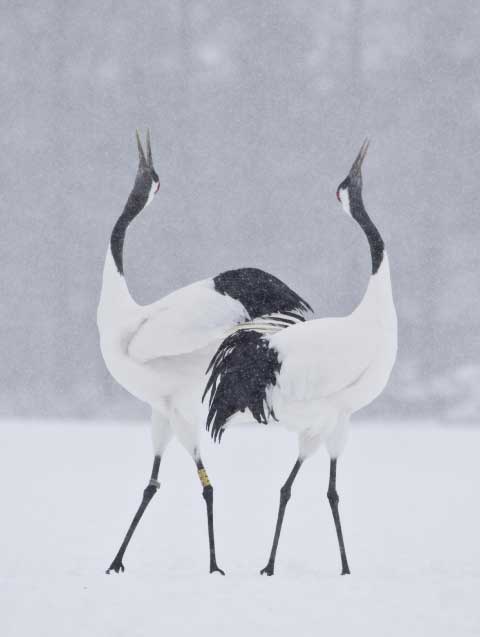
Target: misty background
257 110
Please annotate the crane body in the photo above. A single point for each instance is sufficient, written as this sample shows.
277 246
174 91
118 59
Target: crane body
160 352
312 376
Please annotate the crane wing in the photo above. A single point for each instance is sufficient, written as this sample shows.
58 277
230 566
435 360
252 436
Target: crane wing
322 357
189 319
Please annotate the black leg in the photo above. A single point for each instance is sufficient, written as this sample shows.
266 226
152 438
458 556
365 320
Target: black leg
285 493
333 499
208 497
149 492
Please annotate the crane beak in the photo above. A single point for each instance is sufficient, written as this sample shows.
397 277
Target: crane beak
149 150
356 169
142 162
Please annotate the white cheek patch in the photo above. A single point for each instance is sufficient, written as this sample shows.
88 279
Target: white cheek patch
151 194
345 199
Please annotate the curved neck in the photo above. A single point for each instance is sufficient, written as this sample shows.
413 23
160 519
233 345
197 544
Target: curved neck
374 238
115 295
133 207
377 303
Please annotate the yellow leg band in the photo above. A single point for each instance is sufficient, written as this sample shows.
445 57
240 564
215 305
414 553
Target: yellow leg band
202 474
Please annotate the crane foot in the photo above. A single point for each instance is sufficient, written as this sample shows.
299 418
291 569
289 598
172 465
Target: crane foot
116 566
268 570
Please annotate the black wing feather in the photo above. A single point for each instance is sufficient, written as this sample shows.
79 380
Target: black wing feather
259 292
242 369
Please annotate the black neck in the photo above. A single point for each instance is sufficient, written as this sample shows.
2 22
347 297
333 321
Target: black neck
374 237
135 204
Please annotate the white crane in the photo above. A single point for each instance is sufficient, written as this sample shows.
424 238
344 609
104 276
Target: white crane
160 352
313 376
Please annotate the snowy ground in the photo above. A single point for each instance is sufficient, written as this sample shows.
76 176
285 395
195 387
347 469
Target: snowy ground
410 509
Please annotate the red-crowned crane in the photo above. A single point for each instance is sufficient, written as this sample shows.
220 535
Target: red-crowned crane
160 352
313 376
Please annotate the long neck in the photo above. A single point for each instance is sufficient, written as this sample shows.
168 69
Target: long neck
374 238
377 303
115 293
378 300
133 207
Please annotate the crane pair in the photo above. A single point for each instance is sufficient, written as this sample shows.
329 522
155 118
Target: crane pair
251 332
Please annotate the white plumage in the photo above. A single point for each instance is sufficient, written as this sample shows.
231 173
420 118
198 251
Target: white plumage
184 321
313 376
331 368
160 352
152 350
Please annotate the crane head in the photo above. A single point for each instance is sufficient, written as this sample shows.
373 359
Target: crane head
351 186
147 182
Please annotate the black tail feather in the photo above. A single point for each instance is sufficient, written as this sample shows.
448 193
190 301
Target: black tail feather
241 371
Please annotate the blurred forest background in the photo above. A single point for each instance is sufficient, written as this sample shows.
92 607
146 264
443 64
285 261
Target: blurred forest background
257 110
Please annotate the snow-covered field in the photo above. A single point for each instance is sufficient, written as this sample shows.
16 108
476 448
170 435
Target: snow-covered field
410 508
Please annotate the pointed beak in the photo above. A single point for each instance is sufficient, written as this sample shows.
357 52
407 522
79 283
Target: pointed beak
149 150
356 169
142 162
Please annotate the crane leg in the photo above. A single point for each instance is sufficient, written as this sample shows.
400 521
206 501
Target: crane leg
334 499
285 493
149 492
208 497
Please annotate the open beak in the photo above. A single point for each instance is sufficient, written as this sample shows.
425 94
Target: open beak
145 161
355 170
149 150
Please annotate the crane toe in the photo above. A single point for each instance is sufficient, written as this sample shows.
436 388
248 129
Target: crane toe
118 567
